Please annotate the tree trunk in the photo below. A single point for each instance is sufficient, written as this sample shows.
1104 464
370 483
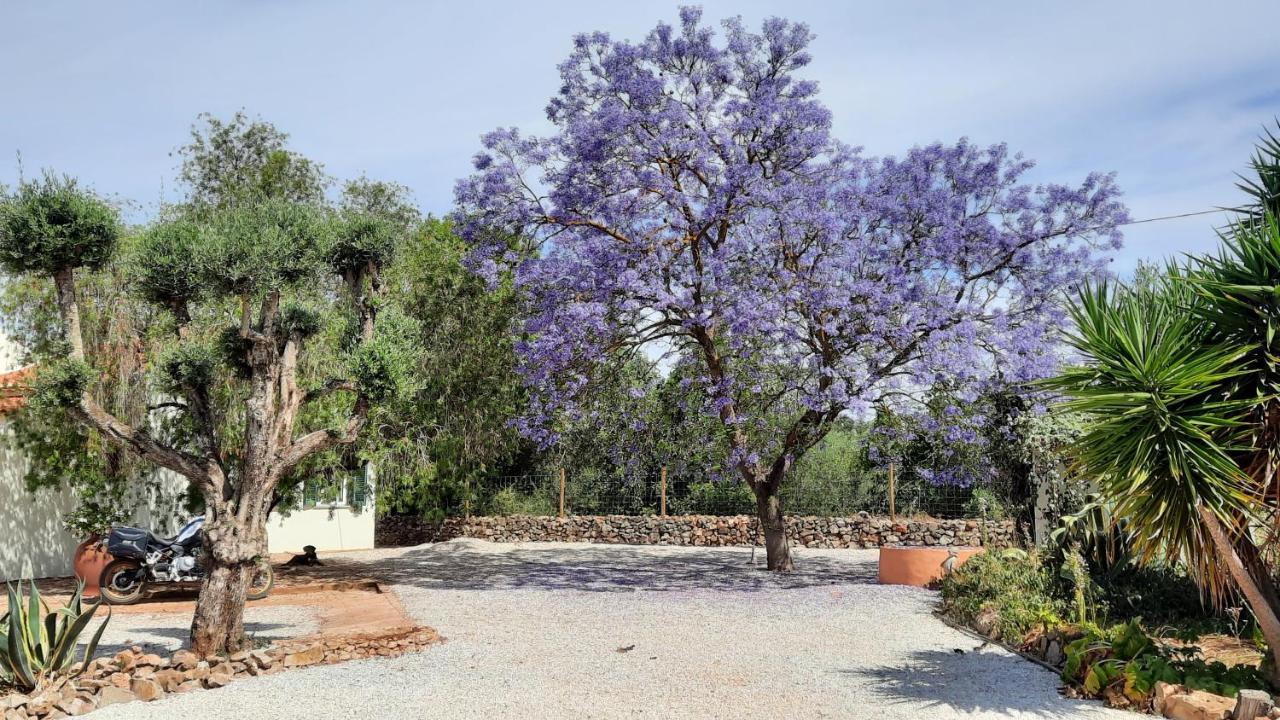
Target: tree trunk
231 547
218 625
1263 611
769 510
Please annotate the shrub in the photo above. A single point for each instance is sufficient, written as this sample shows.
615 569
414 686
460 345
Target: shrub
1123 661
1011 590
35 650
509 501
730 497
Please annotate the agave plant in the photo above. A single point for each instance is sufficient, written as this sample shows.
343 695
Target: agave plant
38 645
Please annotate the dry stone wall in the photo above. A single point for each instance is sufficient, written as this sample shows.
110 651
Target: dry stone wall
859 531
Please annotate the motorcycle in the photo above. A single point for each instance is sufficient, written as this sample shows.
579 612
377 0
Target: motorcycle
143 558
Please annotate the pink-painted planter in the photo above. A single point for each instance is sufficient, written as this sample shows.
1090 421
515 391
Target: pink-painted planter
919 566
90 559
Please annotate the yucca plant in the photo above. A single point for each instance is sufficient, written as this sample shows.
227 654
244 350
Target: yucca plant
38 645
1181 385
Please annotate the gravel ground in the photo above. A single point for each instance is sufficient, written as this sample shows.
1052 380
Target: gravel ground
165 632
590 631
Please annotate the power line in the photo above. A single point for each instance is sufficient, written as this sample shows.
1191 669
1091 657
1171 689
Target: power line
1175 217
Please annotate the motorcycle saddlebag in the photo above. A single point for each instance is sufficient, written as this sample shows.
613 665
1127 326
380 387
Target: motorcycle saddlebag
127 542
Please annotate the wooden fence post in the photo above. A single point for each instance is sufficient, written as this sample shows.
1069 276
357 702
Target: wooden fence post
663 489
561 492
893 490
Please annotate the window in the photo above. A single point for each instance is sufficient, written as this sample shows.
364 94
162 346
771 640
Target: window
337 490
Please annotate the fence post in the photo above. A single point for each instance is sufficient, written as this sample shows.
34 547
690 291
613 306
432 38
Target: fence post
663 488
562 492
893 490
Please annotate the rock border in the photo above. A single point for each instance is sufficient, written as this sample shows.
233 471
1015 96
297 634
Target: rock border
132 675
862 530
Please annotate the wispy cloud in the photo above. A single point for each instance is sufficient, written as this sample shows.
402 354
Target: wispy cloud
1170 95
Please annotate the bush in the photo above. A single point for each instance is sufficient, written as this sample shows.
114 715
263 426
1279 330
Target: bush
1010 591
1123 661
509 501
728 497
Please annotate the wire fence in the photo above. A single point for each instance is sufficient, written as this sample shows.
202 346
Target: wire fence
887 492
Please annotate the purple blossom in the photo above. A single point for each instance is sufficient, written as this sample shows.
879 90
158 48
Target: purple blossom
692 197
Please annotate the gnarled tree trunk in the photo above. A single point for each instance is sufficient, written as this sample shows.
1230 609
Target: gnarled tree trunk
236 506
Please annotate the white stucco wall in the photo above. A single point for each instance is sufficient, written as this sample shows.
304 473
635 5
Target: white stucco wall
10 355
33 542
340 528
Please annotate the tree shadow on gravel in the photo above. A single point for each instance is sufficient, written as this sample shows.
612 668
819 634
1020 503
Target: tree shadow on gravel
610 568
950 683
164 639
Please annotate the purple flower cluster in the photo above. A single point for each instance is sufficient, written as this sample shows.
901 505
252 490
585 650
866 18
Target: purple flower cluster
692 199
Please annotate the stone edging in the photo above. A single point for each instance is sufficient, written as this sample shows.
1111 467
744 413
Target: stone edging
132 675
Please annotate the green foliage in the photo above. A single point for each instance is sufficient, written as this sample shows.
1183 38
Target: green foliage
61 383
1125 659
267 245
1162 436
985 504
185 366
167 262
384 367
53 224
510 501
242 161
61 453
374 220
301 320
1015 588
361 240
439 444
37 645
834 477
726 497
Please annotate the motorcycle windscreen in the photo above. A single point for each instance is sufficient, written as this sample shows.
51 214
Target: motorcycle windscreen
189 530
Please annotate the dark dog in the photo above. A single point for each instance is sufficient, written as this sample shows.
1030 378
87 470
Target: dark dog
308 557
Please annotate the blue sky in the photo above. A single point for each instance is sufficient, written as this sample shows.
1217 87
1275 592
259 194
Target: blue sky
1169 94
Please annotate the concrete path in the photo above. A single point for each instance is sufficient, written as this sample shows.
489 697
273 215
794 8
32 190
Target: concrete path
593 631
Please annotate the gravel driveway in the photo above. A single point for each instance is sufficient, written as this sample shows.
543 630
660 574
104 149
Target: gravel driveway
553 630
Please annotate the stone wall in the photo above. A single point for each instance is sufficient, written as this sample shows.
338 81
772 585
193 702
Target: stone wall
859 531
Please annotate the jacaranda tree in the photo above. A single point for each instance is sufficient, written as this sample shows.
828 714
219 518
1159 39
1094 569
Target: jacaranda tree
692 202
273 305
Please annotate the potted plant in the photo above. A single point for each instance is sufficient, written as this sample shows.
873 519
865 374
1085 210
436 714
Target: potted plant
92 519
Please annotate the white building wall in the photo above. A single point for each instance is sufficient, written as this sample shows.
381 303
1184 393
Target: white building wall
33 541
10 355
339 528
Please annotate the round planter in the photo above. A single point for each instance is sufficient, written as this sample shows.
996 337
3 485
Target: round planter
919 566
90 558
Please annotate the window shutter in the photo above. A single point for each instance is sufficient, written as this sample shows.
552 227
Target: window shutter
359 489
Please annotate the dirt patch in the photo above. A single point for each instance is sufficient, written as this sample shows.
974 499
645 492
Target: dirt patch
1225 649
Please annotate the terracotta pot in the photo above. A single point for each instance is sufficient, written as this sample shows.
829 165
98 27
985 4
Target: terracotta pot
919 566
90 559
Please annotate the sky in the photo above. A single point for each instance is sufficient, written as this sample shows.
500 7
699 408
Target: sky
1169 94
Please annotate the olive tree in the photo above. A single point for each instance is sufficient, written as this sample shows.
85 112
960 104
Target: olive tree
252 288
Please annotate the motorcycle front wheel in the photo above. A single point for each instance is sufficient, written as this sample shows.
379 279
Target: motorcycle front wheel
261 581
122 582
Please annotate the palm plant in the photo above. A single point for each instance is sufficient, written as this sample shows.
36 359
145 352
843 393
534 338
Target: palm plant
1181 385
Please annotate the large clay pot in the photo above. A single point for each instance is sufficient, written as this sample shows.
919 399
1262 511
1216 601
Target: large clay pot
920 566
90 559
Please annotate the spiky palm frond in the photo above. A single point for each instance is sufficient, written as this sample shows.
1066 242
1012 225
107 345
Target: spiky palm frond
1264 189
1165 428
